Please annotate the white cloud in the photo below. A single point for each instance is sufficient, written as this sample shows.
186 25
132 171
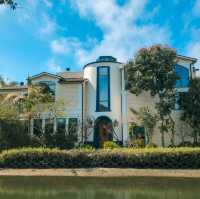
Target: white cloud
64 46
48 3
3 8
122 36
193 47
196 8
53 66
48 26
193 50
60 46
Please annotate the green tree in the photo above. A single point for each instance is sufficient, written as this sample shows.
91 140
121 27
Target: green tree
148 121
17 111
11 3
191 108
153 71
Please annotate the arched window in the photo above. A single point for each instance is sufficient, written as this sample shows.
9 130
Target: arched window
103 89
183 74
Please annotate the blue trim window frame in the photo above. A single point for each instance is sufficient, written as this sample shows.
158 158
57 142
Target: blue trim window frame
103 89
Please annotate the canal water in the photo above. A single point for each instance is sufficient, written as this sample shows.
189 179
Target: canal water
98 188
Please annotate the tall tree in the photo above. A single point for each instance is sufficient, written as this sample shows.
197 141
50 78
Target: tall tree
153 71
191 108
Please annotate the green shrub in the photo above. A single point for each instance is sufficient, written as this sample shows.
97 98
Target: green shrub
110 145
151 145
86 146
13 134
185 144
137 143
162 158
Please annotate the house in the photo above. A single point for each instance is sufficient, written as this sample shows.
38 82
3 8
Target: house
98 104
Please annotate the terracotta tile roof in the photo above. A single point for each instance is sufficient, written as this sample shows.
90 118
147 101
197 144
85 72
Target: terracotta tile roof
14 88
71 75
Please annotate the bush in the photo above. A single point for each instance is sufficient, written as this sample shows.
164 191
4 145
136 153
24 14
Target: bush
110 145
86 146
13 134
185 144
151 145
162 158
137 143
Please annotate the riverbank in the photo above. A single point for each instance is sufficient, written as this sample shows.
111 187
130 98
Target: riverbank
103 172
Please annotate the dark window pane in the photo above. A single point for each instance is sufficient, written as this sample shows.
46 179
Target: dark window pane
61 125
138 132
48 87
73 126
49 126
37 127
103 94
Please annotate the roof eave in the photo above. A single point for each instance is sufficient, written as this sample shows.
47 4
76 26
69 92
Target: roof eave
68 81
44 73
101 62
193 60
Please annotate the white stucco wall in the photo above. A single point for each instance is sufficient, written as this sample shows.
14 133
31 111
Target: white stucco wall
69 93
70 96
90 73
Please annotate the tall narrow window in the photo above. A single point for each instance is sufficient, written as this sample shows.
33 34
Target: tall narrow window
61 125
73 127
103 89
37 127
49 126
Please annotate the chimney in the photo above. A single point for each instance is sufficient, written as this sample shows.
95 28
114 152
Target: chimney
67 69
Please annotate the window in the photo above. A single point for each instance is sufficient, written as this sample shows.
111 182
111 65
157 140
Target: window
48 87
183 74
103 89
72 126
61 125
49 126
37 127
139 132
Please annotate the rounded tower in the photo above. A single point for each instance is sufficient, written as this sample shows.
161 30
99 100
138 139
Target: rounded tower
104 97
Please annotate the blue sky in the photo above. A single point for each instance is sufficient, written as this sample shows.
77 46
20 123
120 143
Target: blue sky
50 35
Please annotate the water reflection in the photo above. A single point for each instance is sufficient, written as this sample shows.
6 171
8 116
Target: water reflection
98 188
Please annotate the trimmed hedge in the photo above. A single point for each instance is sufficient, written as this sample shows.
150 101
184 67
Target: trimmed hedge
174 158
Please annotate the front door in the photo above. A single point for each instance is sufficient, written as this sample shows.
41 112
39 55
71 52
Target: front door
103 131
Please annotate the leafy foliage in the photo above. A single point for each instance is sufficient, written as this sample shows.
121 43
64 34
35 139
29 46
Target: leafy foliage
11 3
13 134
191 108
110 145
173 158
151 145
148 120
13 109
137 143
153 71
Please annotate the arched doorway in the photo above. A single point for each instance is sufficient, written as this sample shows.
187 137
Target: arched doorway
103 131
